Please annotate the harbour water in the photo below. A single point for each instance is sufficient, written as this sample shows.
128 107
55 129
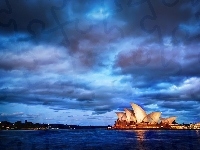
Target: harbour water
100 139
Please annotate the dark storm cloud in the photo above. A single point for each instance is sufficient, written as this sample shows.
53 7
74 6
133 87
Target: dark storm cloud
31 61
68 95
150 65
160 14
39 21
43 17
158 19
100 55
180 106
43 11
18 15
170 80
23 13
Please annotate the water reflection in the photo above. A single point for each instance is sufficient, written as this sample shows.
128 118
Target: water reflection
198 135
102 139
140 136
197 132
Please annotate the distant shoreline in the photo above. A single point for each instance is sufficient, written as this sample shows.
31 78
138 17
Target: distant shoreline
103 128
53 129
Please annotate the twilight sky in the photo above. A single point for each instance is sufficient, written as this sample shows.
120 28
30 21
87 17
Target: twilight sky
76 62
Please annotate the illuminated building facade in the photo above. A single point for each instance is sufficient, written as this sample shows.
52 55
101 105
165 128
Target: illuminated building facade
138 118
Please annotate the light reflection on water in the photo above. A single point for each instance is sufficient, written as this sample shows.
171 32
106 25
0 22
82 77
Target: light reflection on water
166 139
101 139
140 138
140 135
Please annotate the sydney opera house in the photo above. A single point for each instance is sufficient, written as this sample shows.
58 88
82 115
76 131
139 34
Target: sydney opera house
138 118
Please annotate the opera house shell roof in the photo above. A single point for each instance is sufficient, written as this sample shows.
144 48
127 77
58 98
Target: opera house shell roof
138 115
129 115
121 116
168 120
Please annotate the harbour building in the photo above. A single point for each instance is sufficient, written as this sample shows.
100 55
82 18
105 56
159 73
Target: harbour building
137 118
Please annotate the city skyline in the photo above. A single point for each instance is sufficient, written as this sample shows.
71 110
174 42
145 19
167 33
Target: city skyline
75 62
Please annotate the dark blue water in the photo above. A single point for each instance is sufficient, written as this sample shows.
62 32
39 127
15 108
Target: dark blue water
100 139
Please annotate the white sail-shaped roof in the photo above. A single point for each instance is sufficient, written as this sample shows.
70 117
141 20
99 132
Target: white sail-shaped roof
168 120
124 117
130 115
153 117
140 114
119 115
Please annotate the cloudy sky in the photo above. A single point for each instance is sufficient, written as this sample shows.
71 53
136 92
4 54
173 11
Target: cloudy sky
76 62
